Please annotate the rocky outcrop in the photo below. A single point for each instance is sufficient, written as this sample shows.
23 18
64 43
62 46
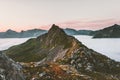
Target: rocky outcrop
54 54
10 70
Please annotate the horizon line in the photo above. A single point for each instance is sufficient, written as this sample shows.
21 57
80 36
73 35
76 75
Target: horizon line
75 24
57 25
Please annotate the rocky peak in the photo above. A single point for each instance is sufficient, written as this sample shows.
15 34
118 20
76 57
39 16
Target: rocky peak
55 30
54 27
55 37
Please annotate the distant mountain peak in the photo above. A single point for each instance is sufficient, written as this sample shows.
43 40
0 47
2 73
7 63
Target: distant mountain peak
116 25
10 30
108 32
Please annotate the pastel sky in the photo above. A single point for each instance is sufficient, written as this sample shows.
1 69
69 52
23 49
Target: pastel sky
79 14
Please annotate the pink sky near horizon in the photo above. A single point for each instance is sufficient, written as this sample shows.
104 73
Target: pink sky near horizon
91 25
78 14
76 24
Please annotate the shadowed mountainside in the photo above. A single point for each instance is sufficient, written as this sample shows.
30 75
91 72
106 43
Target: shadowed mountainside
109 32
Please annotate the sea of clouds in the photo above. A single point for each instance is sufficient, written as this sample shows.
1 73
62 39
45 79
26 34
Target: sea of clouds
107 46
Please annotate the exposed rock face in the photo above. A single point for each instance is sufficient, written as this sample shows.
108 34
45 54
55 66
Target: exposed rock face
59 54
109 32
9 70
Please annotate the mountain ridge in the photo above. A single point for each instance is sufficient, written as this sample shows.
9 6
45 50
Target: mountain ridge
37 32
60 53
23 34
108 32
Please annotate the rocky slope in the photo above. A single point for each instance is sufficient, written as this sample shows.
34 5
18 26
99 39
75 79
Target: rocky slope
57 56
109 32
10 70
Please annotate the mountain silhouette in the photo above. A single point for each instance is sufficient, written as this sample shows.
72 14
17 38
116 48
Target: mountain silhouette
23 34
109 32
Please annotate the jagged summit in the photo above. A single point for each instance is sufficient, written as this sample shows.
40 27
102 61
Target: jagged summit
56 30
54 27
55 37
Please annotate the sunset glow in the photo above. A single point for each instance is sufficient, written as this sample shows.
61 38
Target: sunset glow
79 14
